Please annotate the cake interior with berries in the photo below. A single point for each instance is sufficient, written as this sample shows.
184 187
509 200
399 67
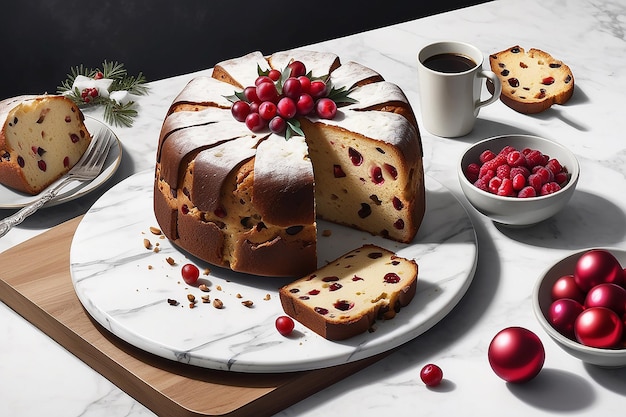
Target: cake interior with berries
249 157
42 138
345 297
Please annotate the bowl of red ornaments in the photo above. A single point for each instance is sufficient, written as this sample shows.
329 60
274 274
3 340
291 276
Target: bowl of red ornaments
518 180
580 301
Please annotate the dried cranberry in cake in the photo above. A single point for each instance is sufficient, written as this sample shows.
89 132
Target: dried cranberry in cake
377 175
338 171
355 156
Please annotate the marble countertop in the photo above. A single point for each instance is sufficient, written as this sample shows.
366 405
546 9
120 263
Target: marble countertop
40 377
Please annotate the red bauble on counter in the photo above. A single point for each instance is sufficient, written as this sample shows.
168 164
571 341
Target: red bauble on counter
516 354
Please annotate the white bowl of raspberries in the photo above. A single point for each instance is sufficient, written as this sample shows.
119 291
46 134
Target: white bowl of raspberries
580 301
518 180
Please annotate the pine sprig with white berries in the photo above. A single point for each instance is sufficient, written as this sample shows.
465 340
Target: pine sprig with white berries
115 113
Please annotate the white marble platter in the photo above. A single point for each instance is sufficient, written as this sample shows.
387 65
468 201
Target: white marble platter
10 198
125 287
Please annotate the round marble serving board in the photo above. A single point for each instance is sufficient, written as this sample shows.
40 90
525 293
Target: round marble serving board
125 287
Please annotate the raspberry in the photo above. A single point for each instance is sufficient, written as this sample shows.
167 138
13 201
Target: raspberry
472 172
503 171
489 174
492 164
561 178
506 188
486 156
506 150
535 181
544 173
549 188
554 166
534 158
481 184
519 181
526 192
525 172
494 184
515 159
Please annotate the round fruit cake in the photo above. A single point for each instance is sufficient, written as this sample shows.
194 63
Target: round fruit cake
250 156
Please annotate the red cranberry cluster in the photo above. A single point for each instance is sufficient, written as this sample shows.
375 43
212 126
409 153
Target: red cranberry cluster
517 173
89 94
277 97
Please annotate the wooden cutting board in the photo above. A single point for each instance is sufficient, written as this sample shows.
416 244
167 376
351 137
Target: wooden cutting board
42 292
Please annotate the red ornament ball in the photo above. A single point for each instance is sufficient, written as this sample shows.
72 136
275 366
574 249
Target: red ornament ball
516 354
599 327
596 267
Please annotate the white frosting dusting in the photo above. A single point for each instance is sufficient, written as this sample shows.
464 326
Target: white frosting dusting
290 155
206 90
379 125
318 63
376 93
350 73
183 119
209 134
231 153
244 69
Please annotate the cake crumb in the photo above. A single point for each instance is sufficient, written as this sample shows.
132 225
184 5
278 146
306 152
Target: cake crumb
155 230
327 232
217 303
267 297
170 260
147 244
247 303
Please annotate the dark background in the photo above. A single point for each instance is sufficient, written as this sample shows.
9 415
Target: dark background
43 39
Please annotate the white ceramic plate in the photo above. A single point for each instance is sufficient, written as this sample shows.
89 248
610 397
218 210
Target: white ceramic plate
10 199
126 287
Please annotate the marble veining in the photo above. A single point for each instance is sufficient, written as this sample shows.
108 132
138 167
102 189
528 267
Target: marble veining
126 288
589 36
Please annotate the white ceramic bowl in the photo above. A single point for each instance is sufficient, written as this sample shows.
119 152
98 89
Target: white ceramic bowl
542 300
513 211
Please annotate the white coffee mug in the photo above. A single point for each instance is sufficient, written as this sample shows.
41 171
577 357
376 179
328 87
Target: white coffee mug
450 94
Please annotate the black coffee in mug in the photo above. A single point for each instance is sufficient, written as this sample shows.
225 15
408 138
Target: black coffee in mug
449 63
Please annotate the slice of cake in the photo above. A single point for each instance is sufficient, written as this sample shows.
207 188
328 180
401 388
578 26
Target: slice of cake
532 81
41 138
346 297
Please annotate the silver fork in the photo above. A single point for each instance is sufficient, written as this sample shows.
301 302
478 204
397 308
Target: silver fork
87 168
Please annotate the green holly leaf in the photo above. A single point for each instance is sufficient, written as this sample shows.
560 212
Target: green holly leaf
341 95
236 96
293 129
